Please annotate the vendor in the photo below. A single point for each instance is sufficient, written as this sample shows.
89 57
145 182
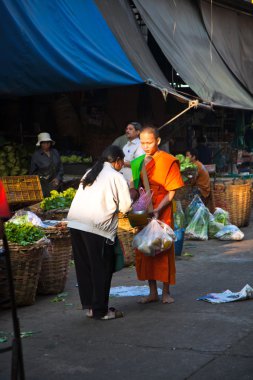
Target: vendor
202 179
132 149
46 163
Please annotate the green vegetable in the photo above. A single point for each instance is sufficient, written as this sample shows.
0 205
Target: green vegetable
23 234
58 200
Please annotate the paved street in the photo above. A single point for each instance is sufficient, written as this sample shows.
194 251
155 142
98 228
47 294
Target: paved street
186 340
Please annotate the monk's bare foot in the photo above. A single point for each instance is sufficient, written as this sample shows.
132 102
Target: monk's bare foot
150 298
166 298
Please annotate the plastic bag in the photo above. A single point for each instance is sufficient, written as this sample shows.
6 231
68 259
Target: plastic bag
198 227
193 207
156 237
213 228
179 217
230 232
221 216
143 201
22 216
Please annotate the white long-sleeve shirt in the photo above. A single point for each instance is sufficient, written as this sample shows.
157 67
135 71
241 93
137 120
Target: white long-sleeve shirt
132 150
94 209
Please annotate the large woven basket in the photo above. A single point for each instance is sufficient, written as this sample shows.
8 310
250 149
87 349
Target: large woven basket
55 264
26 265
234 197
125 234
57 214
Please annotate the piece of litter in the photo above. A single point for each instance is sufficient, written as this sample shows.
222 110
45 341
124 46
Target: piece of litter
131 291
186 254
26 334
3 339
228 296
60 297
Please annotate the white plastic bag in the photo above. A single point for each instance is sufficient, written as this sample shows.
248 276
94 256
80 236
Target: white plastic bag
156 237
230 232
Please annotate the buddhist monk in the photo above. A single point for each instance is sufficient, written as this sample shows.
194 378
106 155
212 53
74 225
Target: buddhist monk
164 179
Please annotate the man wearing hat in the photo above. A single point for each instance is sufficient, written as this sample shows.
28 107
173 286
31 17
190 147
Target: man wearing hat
46 163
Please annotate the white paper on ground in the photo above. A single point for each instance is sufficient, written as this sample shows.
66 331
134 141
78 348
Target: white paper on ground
228 296
131 291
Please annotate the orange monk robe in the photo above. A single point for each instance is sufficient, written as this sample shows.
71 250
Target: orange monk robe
203 180
164 175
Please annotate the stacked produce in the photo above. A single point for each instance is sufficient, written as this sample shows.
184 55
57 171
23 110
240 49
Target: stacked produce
13 160
75 159
24 233
58 200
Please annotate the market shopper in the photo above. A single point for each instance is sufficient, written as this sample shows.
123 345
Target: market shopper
46 163
202 179
93 220
132 149
164 179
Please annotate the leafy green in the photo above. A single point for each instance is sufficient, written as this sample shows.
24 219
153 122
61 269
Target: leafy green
23 234
58 200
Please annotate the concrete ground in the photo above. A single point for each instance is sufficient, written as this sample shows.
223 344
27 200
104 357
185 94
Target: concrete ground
186 340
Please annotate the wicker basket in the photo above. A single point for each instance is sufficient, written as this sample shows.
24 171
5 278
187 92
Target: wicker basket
125 234
55 264
236 198
26 265
57 214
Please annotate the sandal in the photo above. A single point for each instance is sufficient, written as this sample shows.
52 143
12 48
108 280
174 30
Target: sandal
89 313
112 314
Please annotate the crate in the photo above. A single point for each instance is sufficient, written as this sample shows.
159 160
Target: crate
22 189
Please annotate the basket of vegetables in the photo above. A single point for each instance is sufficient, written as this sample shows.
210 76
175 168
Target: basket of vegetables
56 206
27 244
55 264
126 234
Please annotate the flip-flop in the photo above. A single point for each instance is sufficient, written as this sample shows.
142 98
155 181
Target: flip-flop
89 313
117 314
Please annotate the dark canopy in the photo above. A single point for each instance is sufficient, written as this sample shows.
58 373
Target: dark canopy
179 30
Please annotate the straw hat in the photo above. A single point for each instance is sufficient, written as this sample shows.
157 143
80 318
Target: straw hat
44 137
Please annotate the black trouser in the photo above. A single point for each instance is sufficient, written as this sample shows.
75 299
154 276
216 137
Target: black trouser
94 262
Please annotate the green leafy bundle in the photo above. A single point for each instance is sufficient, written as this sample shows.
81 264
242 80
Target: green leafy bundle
23 234
58 200
185 163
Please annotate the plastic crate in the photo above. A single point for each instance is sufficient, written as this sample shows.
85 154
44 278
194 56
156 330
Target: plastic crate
22 189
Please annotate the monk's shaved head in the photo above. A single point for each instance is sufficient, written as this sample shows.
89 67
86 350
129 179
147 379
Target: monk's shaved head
149 128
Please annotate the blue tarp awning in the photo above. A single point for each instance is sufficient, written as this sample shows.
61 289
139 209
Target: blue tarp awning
61 45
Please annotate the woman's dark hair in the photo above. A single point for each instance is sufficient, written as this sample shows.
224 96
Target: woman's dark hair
110 154
193 152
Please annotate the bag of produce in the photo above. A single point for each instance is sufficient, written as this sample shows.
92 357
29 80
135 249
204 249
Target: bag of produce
230 232
198 227
193 207
179 217
221 216
213 228
22 217
155 238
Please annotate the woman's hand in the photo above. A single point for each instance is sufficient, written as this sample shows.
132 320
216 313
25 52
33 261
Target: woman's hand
155 213
134 194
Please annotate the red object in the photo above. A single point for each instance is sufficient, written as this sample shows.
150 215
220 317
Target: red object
4 207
